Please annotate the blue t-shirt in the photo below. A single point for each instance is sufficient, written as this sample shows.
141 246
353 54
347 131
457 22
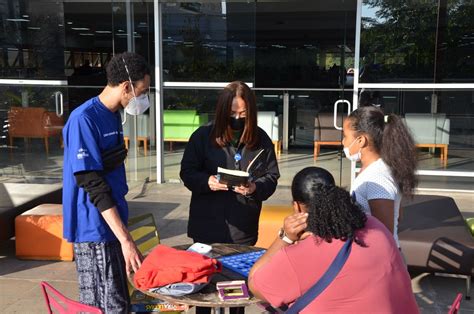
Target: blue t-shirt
90 130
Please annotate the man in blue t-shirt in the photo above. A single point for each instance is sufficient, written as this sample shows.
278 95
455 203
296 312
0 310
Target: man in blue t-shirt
95 211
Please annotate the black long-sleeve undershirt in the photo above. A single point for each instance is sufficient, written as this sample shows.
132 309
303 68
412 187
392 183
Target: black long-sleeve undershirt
99 191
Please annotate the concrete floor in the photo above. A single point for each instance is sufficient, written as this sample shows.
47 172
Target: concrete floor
19 280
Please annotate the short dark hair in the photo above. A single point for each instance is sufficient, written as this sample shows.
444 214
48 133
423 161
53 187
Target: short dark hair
136 64
222 132
333 214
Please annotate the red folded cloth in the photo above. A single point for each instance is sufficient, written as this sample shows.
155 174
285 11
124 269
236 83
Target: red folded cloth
165 265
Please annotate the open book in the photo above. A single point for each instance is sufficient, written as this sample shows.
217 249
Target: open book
255 169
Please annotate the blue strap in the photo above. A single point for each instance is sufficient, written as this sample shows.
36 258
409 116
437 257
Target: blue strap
324 281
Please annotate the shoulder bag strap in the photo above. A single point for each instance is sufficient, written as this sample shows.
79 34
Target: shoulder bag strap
324 281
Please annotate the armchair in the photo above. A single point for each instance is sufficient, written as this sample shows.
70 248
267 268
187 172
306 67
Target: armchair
179 125
325 133
430 130
29 122
271 124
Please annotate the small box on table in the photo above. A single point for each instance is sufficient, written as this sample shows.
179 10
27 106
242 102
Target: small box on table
232 290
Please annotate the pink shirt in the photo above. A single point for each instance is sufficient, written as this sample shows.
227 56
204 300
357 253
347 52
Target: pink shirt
373 280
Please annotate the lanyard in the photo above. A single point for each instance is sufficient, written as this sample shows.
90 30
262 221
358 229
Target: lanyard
238 156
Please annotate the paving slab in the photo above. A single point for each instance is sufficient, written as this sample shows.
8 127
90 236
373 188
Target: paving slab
19 280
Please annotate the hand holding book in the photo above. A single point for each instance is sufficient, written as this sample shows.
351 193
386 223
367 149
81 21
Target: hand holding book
245 189
237 178
215 185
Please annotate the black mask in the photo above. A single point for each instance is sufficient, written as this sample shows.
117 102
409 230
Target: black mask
237 124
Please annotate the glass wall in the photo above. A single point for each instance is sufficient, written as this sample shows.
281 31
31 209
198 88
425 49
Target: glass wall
276 46
416 61
298 56
53 58
304 44
208 41
417 41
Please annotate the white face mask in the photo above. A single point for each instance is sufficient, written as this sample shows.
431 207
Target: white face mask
356 157
137 105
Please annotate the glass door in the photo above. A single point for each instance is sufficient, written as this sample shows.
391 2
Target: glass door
33 101
306 51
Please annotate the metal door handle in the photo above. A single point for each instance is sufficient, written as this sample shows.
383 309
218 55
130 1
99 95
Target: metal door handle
335 111
58 98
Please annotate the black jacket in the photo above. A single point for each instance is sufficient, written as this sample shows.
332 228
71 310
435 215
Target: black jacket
224 216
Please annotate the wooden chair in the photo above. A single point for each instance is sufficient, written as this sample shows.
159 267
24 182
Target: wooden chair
430 130
325 133
142 135
58 303
30 122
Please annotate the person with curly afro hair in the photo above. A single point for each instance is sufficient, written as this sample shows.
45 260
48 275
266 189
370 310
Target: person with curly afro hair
374 277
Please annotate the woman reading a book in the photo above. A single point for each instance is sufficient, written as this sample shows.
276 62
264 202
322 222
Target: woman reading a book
326 221
225 208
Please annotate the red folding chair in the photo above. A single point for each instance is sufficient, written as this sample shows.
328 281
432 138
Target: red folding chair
63 305
456 304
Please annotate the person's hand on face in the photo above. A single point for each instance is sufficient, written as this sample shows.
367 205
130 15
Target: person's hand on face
295 226
215 185
246 189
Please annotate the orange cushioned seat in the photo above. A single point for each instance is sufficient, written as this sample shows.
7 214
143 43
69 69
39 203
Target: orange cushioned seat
271 220
39 234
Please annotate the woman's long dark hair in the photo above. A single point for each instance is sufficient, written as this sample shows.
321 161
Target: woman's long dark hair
392 140
222 132
332 212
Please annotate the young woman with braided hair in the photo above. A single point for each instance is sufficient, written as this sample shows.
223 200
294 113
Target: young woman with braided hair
325 217
386 150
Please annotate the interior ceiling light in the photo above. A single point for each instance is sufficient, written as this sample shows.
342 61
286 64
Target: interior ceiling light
103 32
86 34
80 28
